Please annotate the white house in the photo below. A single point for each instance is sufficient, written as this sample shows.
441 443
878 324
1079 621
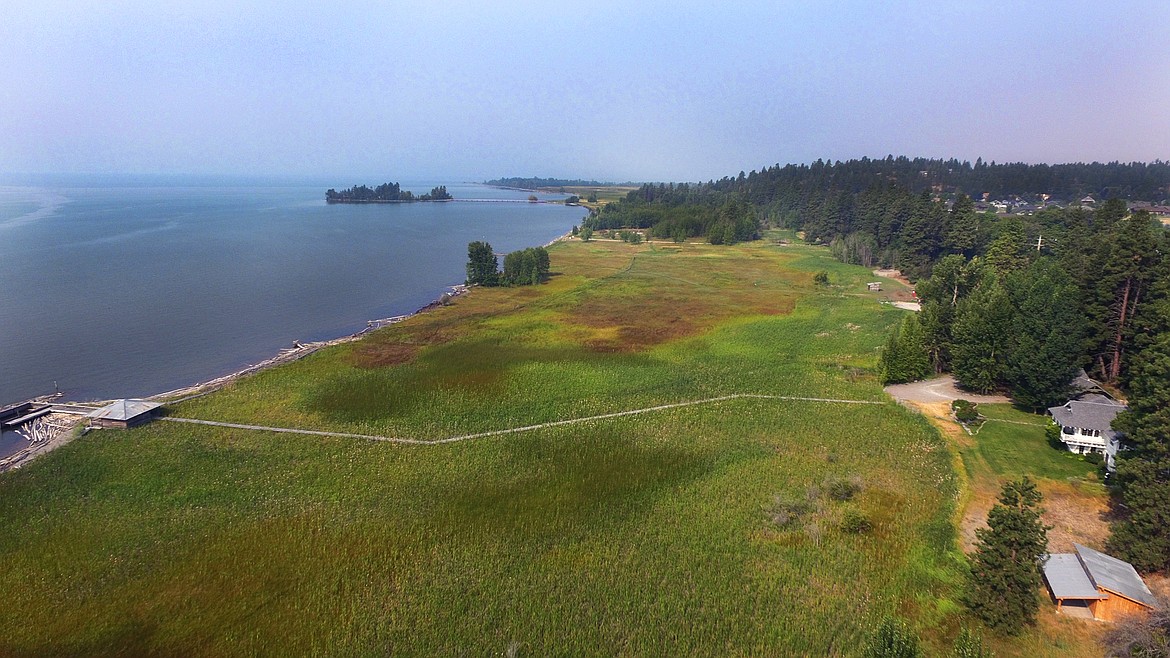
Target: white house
1086 425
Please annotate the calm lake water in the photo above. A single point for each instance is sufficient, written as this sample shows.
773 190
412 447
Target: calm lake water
134 289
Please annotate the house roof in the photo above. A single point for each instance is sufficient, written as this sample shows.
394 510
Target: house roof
1082 384
123 409
1091 412
1067 578
1115 575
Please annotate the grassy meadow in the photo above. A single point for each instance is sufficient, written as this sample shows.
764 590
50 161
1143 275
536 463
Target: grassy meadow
708 530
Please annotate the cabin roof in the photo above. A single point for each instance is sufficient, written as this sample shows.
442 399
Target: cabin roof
124 409
1091 412
1115 575
1067 578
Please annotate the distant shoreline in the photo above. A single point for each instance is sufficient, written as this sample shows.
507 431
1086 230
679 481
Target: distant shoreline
358 201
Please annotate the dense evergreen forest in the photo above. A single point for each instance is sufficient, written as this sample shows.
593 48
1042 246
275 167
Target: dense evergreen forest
888 211
384 193
1077 276
536 183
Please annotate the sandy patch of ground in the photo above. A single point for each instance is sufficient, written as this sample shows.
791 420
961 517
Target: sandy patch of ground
1074 517
939 389
893 274
908 306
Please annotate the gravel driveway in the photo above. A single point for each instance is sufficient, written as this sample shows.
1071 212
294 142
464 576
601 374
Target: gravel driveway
939 389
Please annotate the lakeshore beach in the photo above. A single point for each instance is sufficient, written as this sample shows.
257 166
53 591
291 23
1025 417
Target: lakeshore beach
130 290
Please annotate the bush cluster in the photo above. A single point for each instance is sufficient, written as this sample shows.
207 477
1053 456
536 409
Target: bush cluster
965 412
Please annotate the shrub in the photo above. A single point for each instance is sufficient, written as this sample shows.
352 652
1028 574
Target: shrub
969 644
1052 433
855 523
842 490
786 513
821 278
892 639
1140 634
965 412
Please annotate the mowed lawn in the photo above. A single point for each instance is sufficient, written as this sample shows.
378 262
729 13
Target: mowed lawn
654 534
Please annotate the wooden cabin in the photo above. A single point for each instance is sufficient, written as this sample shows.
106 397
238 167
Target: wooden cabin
1100 585
124 414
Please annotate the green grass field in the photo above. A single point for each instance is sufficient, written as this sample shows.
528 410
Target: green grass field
643 535
1012 444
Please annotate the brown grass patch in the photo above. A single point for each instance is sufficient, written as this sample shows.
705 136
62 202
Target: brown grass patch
379 356
401 343
640 307
1074 517
975 517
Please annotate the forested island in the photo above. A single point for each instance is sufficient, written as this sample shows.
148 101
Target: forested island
384 193
536 183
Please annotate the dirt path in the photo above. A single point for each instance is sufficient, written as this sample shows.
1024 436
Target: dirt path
895 275
939 389
513 430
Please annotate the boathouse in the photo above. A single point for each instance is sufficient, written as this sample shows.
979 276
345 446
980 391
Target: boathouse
1091 584
123 414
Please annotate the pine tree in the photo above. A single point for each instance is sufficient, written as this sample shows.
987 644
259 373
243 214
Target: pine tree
951 280
962 228
982 334
921 236
1007 565
1127 257
1007 252
904 358
481 265
1142 535
1047 323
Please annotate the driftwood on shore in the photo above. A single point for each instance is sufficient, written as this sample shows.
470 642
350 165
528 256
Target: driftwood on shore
43 434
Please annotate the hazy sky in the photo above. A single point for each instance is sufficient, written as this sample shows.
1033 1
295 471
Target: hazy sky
608 90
